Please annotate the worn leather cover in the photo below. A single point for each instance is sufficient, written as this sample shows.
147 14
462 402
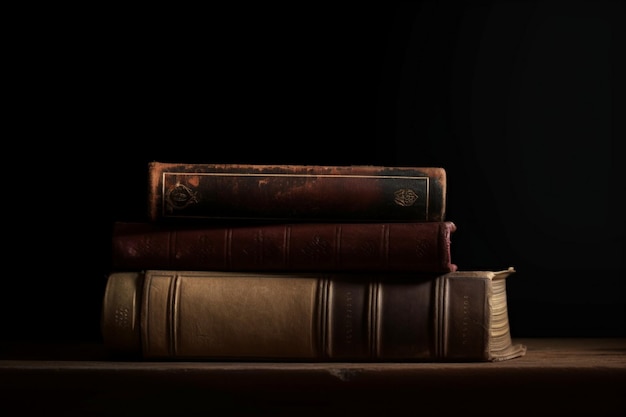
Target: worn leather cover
413 247
197 315
296 192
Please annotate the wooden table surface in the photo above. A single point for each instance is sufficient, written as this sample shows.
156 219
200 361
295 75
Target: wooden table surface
555 377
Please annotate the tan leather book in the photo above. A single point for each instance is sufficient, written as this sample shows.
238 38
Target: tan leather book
412 247
296 192
208 315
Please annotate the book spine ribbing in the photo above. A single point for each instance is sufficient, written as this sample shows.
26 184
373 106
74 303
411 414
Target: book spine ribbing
310 317
413 247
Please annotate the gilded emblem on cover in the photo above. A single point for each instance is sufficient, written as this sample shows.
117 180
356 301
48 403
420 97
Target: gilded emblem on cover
405 197
180 196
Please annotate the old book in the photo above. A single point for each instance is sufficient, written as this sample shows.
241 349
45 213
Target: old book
410 247
296 192
208 315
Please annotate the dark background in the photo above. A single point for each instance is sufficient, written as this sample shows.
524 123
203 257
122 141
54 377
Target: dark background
522 102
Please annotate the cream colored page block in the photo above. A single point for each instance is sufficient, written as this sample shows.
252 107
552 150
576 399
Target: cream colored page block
239 316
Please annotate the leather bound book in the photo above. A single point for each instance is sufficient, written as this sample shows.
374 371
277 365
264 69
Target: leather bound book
245 316
409 247
296 192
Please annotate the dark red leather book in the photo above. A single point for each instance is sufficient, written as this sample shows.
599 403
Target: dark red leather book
295 192
410 247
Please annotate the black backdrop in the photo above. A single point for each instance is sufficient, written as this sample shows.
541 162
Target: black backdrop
522 102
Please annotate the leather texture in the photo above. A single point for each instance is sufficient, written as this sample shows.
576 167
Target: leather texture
409 247
307 317
296 192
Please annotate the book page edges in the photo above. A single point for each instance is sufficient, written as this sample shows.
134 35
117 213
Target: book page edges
511 350
497 342
121 314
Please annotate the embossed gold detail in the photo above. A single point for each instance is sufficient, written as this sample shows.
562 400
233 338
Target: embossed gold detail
180 196
121 317
405 197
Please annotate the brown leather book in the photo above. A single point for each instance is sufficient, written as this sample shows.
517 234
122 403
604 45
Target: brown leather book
296 192
208 315
409 247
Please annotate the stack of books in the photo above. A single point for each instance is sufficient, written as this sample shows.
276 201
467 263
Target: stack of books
299 263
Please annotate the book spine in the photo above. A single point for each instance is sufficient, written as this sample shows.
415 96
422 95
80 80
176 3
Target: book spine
411 247
308 317
306 193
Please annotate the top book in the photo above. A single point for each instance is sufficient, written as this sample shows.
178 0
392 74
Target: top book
295 192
